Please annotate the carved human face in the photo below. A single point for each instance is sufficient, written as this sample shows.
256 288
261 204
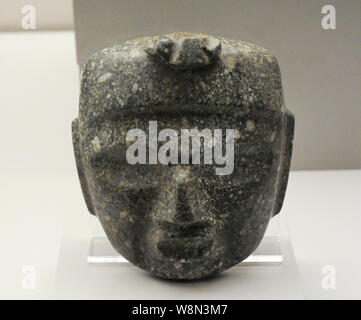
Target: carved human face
183 221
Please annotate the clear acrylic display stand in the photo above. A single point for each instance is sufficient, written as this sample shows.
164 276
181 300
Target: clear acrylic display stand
268 252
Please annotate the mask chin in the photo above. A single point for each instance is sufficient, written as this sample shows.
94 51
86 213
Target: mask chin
80 165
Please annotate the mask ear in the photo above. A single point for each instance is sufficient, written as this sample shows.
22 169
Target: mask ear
285 160
80 165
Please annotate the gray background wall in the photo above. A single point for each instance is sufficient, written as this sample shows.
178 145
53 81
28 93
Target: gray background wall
321 69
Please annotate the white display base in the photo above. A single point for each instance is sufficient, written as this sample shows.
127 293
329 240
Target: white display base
78 279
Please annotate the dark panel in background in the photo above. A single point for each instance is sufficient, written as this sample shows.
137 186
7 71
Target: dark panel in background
321 69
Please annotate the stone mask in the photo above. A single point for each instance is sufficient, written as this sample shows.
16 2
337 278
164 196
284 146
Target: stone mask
173 218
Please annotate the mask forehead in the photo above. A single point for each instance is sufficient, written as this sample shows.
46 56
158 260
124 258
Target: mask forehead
126 77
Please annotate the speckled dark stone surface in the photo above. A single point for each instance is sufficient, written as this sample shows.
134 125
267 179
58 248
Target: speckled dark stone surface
183 221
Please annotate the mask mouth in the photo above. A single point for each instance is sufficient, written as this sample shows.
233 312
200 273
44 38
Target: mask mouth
186 248
188 240
185 229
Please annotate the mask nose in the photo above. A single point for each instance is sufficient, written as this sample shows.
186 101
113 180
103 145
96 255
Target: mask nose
176 197
183 211
185 231
183 188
